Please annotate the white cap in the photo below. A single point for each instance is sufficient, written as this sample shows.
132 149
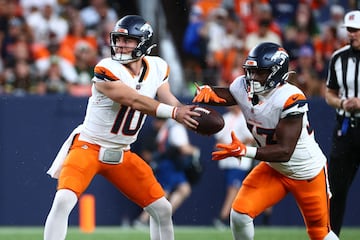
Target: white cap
337 10
352 19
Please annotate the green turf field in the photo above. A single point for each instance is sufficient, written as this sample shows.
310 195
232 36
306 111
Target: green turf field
181 233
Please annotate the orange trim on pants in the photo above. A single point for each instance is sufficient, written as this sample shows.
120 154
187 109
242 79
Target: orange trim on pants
264 187
133 176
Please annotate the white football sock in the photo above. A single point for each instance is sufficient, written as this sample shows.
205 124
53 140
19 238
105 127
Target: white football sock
242 226
57 221
331 236
161 225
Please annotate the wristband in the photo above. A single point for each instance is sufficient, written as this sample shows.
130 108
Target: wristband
342 103
165 111
251 152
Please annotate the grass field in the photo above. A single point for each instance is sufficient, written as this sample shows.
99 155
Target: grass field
181 233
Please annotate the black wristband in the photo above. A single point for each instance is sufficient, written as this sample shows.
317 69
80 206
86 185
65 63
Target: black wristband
342 103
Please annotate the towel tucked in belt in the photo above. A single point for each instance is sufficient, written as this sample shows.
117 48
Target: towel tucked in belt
54 170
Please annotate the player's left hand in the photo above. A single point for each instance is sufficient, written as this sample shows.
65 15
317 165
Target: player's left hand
205 94
234 149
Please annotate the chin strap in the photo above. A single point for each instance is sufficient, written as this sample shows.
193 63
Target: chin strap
286 75
148 51
255 99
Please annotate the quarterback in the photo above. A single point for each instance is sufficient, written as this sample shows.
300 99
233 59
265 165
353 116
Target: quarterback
123 94
291 160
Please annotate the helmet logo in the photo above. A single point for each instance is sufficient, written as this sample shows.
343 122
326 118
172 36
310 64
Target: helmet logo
122 30
250 63
280 56
147 28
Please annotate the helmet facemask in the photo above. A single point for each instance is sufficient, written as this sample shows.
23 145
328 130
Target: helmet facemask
257 86
133 55
269 63
135 27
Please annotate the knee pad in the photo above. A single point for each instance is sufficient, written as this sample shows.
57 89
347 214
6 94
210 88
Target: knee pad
159 209
240 219
65 200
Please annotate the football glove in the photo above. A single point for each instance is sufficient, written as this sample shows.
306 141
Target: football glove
205 94
234 149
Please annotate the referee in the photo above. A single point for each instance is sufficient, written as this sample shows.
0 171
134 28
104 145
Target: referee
343 85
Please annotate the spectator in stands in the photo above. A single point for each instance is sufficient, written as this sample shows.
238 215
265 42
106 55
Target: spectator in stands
295 38
337 13
47 23
324 46
284 11
207 6
99 18
304 19
86 57
225 33
44 56
77 33
97 13
53 80
16 42
195 46
262 14
103 40
19 74
225 47
21 80
264 33
308 79
30 6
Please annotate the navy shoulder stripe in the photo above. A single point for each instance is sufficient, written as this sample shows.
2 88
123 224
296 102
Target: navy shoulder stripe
104 77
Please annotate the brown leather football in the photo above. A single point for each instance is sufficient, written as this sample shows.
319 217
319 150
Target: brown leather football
210 121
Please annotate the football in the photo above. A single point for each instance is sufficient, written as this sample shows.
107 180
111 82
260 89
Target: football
210 121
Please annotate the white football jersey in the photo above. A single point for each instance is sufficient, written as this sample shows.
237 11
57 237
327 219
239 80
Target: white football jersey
110 124
262 119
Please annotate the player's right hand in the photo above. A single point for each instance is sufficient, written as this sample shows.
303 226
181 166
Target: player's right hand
184 116
205 94
235 149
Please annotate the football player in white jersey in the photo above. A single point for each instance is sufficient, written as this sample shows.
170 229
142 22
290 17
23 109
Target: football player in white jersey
291 160
123 93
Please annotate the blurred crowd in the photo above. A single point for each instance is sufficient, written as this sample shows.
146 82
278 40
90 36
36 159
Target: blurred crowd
51 46
220 34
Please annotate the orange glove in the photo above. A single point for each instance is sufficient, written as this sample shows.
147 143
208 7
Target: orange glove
234 149
205 94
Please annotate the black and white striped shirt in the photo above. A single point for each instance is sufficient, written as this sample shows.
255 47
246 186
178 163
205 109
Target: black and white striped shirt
344 74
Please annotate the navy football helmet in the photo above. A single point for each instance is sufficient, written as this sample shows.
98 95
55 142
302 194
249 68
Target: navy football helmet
132 26
269 57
